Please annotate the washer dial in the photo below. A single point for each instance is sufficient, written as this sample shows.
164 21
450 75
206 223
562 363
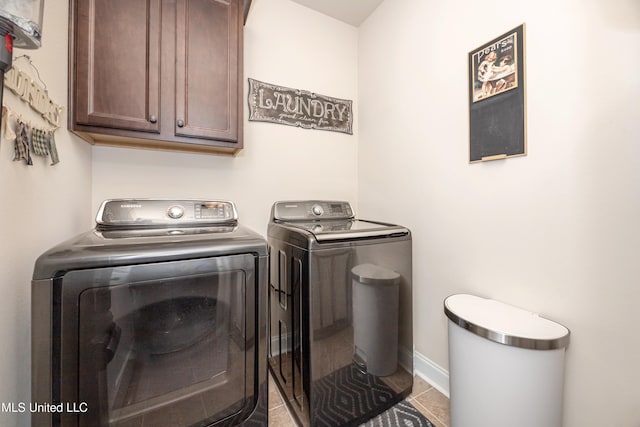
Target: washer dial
317 210
175 212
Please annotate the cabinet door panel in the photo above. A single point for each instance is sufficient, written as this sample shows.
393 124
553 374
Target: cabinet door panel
117 62
207 51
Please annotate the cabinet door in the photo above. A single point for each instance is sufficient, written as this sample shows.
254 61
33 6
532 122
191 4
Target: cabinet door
208 41
117 64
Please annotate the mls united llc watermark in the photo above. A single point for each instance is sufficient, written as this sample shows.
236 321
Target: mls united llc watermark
34 407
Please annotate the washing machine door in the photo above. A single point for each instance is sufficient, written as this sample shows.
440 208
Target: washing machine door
162 344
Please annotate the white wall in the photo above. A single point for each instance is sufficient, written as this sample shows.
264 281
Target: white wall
555 232
285 44
41 206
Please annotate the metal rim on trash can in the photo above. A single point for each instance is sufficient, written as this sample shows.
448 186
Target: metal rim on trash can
506 339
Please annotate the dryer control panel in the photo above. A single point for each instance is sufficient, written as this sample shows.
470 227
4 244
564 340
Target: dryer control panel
133 213
310 210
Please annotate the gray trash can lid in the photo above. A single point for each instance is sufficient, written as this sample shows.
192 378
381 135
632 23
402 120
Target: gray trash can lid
504 323
371 274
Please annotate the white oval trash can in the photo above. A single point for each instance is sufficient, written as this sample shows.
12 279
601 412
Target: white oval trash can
506 365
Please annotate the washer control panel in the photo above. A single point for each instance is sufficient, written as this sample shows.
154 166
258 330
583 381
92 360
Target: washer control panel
161 212
310 210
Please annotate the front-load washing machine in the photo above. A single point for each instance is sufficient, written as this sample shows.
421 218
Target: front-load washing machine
157 317
341 346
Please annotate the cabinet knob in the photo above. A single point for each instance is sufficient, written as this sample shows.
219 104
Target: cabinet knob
180 123
153 119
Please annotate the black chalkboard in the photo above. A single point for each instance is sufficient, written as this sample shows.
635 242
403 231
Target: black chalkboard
497 98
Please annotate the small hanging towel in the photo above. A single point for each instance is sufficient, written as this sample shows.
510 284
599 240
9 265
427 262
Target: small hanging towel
21 147
39 142
9 134
53 150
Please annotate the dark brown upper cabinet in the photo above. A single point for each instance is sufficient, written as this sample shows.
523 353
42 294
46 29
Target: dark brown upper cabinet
160 74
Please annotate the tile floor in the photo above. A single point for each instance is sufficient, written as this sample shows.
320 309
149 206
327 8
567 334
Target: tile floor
433 405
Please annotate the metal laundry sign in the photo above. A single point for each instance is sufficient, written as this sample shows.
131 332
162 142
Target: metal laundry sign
33 93
294 107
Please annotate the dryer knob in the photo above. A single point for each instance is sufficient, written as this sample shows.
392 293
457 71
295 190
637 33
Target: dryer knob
317 210
175 212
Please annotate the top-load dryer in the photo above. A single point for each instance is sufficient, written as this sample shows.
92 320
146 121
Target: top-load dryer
340 312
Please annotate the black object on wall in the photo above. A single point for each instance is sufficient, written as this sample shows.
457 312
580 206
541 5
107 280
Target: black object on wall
497 109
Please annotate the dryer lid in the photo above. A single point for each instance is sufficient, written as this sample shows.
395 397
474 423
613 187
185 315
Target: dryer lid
331 231
330 221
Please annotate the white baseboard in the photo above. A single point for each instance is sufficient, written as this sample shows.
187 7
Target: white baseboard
431 372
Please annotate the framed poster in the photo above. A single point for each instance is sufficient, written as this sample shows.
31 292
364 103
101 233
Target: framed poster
497 127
